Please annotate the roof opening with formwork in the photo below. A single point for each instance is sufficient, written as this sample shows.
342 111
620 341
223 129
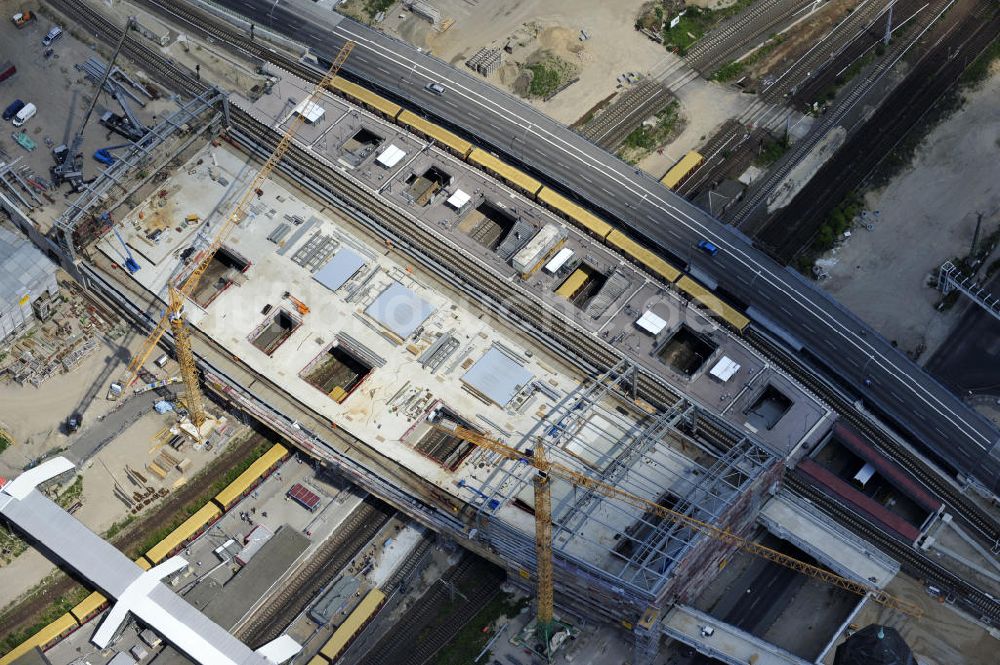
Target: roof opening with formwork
488 224
226 268
274 331
582 285
399 310
686 351
443 447
497 377
361 145
337 372
768 408
422 188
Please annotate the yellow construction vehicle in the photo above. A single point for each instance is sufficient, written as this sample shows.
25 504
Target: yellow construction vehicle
185 285
547 470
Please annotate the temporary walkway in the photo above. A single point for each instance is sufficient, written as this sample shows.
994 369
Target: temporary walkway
827 542
135 591
721 641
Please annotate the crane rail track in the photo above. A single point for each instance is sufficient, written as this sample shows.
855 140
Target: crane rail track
979 603
331 557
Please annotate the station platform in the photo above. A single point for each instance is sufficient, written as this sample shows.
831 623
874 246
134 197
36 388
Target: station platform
826 541
726 643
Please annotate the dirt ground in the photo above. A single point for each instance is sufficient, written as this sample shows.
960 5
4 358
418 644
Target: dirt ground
929 211
614 47
942 637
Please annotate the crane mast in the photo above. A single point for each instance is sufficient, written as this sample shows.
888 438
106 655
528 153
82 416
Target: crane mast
185 287
548 469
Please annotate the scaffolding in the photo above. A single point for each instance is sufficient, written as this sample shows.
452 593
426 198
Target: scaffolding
613 556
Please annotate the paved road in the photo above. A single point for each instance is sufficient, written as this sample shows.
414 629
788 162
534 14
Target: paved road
777 298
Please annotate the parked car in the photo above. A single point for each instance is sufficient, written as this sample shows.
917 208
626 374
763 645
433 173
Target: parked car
12 109
708 247
24 115
52 35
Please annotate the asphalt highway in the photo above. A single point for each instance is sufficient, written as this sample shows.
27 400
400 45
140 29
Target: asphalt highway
776 298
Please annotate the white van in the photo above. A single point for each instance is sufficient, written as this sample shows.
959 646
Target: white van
52 35
24 115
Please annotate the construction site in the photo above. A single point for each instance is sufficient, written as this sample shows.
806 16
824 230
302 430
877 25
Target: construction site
394 381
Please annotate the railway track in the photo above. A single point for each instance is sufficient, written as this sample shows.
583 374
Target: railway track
731 148
409 565
791 230
738 216
612 126
415 639
960 506
279 611
824 51
736 35
979 603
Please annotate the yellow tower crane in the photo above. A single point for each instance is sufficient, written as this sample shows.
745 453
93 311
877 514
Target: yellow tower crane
185 287
547 470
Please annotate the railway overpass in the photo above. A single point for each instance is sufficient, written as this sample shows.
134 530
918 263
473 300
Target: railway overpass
779 301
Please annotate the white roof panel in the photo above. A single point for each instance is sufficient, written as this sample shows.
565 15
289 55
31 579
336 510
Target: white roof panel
458 199
559 260
651 323
391 156
725 369
310 110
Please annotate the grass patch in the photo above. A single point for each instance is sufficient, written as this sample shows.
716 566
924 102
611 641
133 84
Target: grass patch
373 7
545 75
730 71
468 642
772 152
737 68
838 221
647 138
695 22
